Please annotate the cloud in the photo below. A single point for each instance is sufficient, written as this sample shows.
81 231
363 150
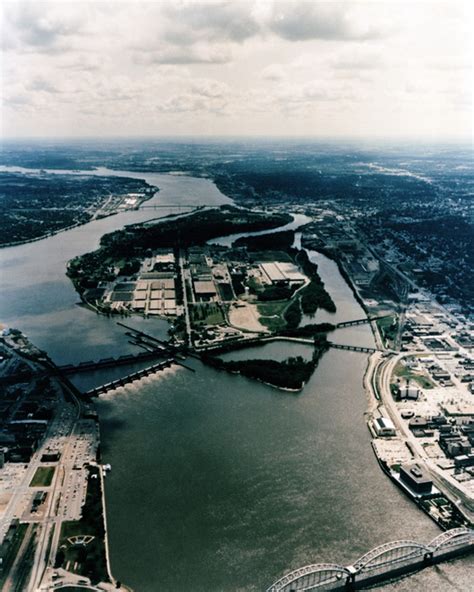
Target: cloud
216 21
249 66
210 88
273 72
41 27
189 102
173 55
356 59
304 21
82 62
202 95
40 83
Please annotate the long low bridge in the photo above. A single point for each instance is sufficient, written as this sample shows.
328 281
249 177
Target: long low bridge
90 366
110 386
262 340
111 362
386 562
357 348
364 321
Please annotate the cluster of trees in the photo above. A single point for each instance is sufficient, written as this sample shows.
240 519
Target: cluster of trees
195 229
293 314
271 293
313 330
274 241
314 296
292 373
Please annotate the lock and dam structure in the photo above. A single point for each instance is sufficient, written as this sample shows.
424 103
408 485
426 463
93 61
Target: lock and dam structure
382 564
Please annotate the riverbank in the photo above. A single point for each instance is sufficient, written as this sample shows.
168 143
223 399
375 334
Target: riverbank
44 236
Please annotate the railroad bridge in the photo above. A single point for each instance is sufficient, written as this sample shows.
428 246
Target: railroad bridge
364 321
385 562
112 362
357 348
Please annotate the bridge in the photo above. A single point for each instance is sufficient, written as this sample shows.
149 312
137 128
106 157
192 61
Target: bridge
383 563
111 362
109 386
363 321
243 343
147 206
90 366
356 348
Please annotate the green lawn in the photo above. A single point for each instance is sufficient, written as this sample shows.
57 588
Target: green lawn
268 309
271 314
86 560
207 313
388 327
42 477
402 371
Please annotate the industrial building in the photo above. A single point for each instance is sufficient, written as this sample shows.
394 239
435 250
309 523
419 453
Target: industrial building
416 479
153 293
409 392
383 427
205 290
282 273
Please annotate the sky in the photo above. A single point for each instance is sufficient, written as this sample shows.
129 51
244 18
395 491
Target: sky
380 68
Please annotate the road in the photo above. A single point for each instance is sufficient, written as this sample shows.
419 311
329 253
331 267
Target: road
185 300
51 524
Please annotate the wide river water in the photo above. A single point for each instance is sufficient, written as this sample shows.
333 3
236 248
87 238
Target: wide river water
220 483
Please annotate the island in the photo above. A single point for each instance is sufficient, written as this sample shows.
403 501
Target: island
216 296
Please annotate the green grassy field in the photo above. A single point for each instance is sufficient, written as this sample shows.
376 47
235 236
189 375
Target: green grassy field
207 313
271 314
88 560
388 327
42 477
402 371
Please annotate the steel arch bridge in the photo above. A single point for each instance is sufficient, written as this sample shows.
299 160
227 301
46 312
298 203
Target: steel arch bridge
390 554
311 577
452 538
382 559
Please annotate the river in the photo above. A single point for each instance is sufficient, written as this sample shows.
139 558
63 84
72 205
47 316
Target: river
220 483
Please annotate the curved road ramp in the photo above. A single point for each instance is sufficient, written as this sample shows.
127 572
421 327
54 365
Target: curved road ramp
383 563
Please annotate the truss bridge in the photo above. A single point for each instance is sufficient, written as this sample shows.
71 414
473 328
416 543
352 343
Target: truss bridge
383 563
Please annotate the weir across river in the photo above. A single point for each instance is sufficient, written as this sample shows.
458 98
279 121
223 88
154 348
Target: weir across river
101 390
383 563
